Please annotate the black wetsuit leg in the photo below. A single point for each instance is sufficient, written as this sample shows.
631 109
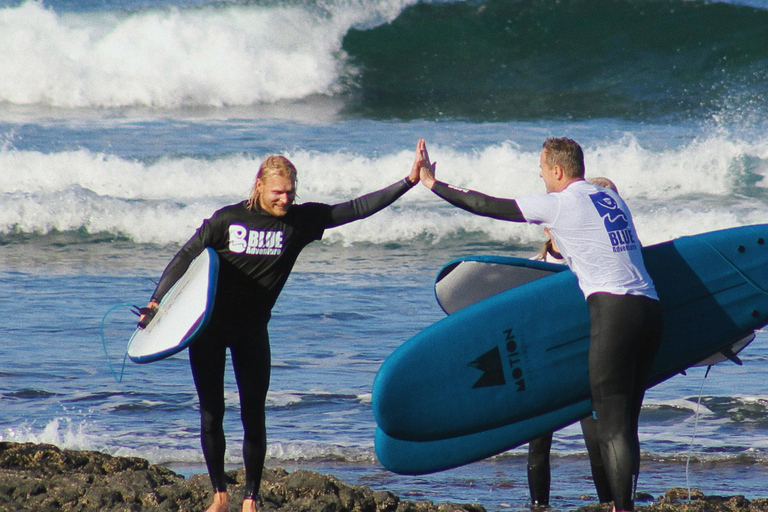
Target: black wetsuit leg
625 336
599 477
207 357
539 470
250 350
251 359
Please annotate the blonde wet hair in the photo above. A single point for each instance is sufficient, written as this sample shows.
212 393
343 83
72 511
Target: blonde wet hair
274 165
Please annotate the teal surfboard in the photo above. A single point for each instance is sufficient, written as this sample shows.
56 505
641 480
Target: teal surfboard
471 279
420 457
182 314
499 372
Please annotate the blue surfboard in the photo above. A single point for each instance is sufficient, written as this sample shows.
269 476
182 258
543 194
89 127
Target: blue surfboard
502 362
420 457
469 280
182 313
460 283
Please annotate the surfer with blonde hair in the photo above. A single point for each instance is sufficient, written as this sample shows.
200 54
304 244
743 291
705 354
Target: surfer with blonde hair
257 241
272 166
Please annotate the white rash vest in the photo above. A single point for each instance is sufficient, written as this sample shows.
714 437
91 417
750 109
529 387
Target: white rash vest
593 230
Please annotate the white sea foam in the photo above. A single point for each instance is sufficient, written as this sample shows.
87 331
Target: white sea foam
313 451
219 55
705 185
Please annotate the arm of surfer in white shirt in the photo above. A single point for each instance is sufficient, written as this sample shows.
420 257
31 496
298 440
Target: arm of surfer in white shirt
479 204
469 200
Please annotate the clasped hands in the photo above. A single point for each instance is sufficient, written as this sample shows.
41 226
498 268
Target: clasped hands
422 169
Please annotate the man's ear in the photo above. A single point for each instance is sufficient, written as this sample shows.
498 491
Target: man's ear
559 172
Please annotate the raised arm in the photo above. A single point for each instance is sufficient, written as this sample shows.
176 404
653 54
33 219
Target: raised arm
469 200
367 205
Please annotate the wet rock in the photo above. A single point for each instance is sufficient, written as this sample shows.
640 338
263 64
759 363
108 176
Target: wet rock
44 478
677 500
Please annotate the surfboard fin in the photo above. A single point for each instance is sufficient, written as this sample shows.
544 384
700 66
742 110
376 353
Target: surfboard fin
730 354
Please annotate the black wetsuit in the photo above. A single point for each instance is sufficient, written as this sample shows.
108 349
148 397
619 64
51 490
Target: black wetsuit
257 252
538 469
624 338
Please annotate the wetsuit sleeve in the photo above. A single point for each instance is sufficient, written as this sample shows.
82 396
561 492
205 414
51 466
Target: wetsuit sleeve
181 261
479 204
367 205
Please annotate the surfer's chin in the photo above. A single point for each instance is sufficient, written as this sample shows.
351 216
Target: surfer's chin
278 211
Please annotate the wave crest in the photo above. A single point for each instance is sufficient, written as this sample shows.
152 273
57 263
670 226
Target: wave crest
480 60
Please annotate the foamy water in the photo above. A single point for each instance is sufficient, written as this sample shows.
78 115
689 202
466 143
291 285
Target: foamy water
701 185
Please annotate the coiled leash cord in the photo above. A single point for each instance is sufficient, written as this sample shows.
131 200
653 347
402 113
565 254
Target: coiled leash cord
136 311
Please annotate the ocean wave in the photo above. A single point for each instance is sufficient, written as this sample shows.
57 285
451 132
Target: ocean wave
84 196
478 59
501 59
291 400
82 435
212 55
184 452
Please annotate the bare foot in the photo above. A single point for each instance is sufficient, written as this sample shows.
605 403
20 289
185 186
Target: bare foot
249 505
220 503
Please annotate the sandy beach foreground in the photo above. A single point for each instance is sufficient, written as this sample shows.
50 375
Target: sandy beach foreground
43 478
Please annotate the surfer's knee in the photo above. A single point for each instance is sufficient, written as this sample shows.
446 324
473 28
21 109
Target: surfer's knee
211 421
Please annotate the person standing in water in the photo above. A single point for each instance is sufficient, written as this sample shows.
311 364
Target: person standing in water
258 241
538 467
593 229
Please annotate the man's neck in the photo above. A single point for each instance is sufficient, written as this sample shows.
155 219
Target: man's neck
565 184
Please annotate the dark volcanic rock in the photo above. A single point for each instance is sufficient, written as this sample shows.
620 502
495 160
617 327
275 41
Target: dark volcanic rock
43 478
676 500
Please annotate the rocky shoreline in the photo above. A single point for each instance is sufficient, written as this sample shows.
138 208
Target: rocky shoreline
44 478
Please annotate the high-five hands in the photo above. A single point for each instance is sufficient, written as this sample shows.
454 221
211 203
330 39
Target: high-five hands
427 169
413 177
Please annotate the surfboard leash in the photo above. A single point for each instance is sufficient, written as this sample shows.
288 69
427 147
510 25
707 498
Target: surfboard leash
104 342
693 436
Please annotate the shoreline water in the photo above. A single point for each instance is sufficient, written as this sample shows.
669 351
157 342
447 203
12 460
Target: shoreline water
344 309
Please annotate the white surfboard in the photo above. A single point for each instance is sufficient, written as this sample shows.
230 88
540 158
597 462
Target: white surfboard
182 314
469 280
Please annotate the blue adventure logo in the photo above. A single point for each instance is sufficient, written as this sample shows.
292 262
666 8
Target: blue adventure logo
616 222
255 241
